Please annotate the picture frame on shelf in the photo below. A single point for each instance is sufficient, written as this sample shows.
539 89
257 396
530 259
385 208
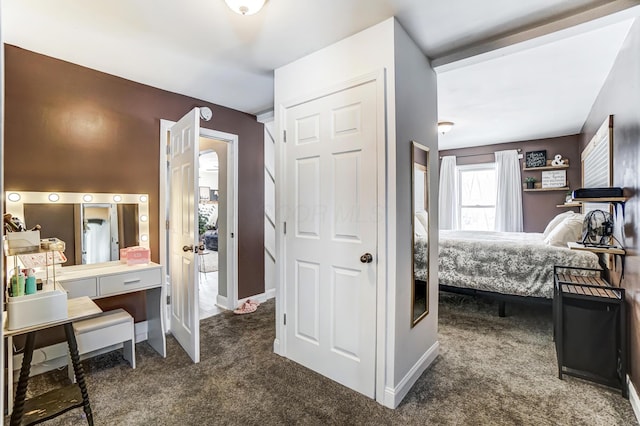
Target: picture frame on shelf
554 179
535 158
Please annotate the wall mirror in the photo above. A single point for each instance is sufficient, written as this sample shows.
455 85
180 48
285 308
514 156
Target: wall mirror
94 226
420 234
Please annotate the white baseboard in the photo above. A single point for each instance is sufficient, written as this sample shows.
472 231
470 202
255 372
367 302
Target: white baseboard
44 359
276 347
222 302
261 298
634 399
394 396
141 330
270 294
55 356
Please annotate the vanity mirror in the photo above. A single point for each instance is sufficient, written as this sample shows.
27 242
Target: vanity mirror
420 234
94 226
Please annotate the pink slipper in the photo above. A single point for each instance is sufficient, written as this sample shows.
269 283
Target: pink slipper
246 308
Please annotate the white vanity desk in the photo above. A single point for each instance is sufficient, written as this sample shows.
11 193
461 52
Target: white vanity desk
115 278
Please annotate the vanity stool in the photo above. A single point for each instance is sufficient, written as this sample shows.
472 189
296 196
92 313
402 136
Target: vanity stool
107 329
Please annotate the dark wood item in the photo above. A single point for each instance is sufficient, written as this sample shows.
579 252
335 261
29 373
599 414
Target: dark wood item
536 158
56 402
590 328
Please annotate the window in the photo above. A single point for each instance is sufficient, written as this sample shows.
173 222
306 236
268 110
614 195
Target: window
477 192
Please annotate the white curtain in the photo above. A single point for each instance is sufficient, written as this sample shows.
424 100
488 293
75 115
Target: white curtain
448 198
509 195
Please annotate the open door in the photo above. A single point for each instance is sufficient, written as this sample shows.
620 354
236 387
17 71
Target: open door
183 232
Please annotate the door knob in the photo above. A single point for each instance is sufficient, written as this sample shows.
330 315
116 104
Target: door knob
366 258
187 248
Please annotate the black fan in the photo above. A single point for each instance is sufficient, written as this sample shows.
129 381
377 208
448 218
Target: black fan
597 228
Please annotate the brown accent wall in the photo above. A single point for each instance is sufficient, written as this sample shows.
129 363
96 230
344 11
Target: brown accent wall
620 96
538 207
70 128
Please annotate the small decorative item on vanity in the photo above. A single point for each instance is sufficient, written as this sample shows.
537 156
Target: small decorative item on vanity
531 181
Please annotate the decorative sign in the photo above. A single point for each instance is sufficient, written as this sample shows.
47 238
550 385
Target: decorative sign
536 158
554 179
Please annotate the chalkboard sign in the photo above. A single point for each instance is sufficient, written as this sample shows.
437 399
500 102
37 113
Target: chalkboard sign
536 158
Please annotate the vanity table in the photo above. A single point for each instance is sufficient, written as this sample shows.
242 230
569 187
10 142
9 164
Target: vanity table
57 401
102 280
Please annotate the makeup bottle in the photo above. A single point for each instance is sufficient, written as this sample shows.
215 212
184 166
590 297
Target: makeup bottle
30 284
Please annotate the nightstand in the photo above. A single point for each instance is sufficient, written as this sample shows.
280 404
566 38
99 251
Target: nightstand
590 327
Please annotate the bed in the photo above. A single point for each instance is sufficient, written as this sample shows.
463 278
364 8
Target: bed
508 266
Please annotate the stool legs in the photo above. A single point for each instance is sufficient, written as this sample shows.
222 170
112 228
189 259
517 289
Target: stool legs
79 372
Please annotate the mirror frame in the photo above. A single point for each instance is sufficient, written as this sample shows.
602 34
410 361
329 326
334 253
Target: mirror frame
415 145
15 201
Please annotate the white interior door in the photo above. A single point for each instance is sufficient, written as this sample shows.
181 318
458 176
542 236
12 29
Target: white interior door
183 232
330 161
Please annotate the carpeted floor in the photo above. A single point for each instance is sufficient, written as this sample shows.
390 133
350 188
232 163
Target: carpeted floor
491 370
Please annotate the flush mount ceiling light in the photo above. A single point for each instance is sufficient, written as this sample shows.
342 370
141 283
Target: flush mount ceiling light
245 7
445 126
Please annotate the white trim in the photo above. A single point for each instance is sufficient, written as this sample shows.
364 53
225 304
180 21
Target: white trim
265 117
382 251
386 164
270 294
54 356
633 398
141 331
232 208
260 298
393 396
222 301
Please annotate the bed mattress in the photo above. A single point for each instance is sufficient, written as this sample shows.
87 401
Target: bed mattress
515 263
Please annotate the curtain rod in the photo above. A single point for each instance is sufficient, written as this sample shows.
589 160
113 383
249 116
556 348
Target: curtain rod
475 155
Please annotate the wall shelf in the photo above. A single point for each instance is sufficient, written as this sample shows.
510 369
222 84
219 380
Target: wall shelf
605 250
537 169
569 205
603 200
564 188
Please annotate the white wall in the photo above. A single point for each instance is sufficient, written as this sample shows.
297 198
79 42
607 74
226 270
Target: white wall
416 118
209 179
400 349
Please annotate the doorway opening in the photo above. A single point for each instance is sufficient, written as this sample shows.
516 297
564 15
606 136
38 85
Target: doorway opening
226 295
212 225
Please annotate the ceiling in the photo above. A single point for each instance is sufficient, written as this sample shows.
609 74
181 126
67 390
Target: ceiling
202 49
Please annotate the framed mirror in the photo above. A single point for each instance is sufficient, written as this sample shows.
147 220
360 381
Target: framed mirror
94 226
420 232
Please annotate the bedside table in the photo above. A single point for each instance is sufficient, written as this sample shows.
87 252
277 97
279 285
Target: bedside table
590 327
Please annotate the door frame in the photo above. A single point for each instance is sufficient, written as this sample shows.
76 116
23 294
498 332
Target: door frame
231 301
385 177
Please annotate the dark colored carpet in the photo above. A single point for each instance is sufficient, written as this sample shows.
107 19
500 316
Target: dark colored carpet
497 371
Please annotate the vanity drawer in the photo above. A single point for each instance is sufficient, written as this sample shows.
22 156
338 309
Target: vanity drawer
81 287
129 281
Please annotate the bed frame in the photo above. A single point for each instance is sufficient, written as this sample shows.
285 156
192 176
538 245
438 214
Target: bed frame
501 298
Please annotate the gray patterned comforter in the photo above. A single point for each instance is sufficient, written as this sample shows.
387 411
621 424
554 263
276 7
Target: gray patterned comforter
504 262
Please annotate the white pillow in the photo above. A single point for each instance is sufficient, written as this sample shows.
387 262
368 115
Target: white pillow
418 228
423 218
556 221
570 229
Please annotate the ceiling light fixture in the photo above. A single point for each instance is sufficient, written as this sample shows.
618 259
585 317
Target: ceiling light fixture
245 7
445 126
